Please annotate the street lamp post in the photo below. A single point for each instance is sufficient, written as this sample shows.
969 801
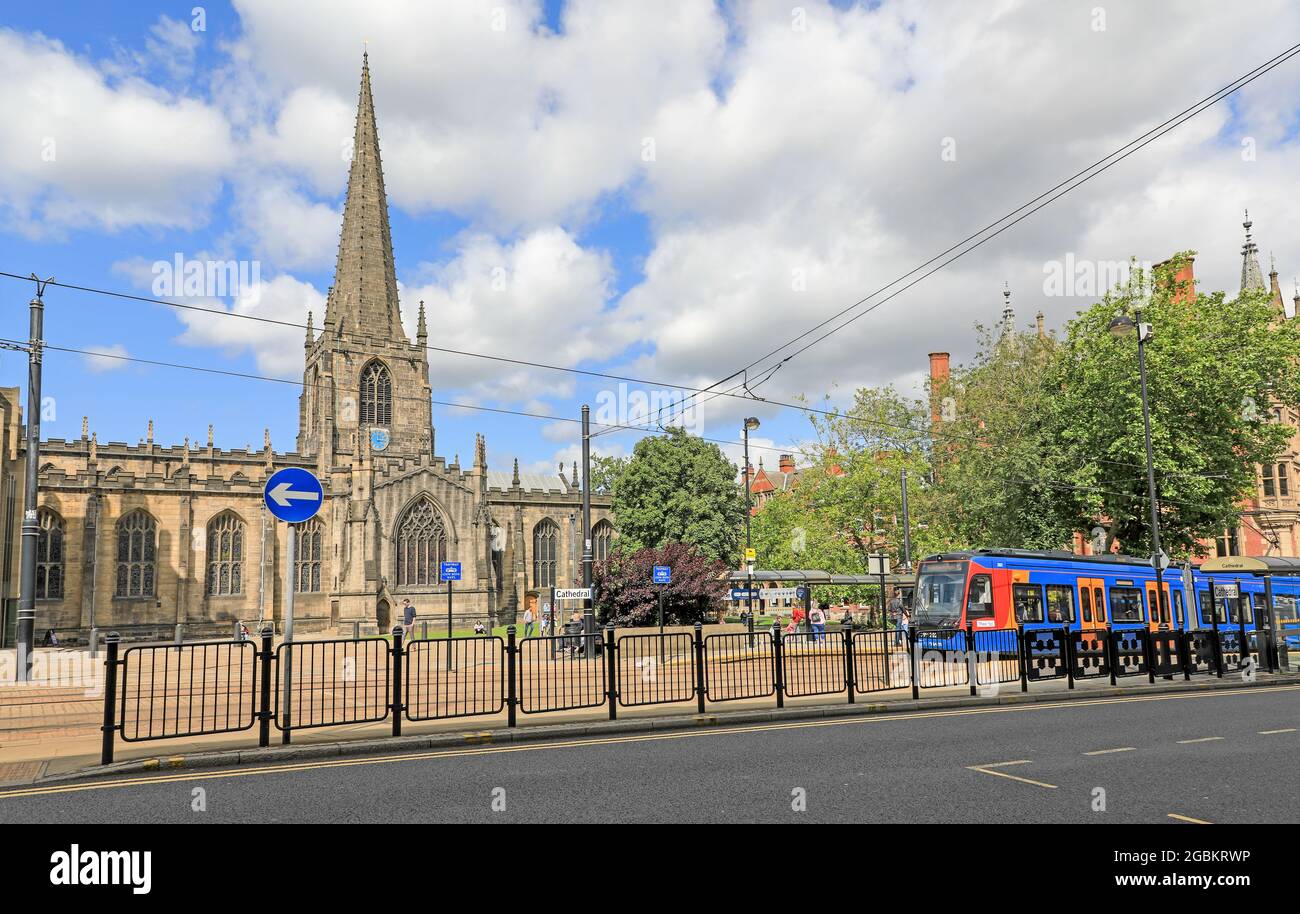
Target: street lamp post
750 424
1122 325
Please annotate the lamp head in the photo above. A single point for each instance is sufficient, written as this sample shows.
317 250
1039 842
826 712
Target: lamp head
751 423
1121 325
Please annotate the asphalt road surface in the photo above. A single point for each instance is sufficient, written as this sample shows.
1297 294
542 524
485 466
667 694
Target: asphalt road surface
1201 757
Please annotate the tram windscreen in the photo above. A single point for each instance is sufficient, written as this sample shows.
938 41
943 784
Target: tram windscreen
939 591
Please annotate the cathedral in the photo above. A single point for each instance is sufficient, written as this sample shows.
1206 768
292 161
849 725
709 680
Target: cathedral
154 535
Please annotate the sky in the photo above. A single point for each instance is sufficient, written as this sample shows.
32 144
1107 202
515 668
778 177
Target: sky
664 192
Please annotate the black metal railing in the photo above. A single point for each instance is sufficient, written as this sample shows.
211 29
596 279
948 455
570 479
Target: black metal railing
456 677
166 691
739 666
562 673
169 691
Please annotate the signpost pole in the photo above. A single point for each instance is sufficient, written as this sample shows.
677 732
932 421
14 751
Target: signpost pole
288 632
661 625
449 586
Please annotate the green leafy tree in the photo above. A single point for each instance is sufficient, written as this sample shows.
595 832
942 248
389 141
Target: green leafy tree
605 473
625 594
1214 367
678 488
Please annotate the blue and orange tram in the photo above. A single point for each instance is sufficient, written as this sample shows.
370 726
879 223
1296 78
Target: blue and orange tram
1028 590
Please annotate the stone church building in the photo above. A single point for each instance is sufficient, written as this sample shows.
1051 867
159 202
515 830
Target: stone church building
152 534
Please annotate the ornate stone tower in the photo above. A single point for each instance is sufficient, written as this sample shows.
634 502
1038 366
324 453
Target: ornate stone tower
362 374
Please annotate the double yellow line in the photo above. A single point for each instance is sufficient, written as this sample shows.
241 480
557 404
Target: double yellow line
611 741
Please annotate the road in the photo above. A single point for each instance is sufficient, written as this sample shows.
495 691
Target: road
1200 757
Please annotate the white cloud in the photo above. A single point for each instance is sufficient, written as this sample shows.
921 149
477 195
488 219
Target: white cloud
106 358
79 152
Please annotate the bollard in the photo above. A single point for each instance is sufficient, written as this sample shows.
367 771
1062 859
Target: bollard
110 698
1149 654
611 675
397 679
424 630
264 712
1112 655
1067 655
179 637
511 697
1185 653
1022 654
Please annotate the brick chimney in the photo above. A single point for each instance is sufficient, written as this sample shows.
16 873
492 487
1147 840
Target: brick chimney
1184 281
787 463
938 377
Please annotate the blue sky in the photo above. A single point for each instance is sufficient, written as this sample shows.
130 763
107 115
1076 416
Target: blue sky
668 193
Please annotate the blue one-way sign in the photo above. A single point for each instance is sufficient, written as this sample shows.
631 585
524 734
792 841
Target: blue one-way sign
451 571
293 495
663 574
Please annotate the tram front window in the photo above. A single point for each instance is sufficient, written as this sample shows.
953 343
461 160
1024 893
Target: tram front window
939 591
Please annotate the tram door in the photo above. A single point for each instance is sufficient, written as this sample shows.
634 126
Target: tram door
1159 617
1092 604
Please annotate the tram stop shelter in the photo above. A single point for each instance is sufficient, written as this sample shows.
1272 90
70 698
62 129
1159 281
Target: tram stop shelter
808 578
1273 625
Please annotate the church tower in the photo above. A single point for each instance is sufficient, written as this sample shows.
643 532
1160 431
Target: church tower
365 384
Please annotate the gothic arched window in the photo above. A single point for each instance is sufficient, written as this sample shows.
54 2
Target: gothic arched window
602 538
225 555
136 555
421 544
306 559
49 556
376 395
546 538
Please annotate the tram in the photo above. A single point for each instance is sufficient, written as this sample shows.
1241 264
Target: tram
1022 589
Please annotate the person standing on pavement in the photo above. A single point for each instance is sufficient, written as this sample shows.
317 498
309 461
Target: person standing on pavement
528 622
408 617
817 617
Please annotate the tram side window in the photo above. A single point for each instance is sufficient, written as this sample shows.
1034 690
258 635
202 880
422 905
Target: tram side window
1284 608
1060 603
1099 604
1125 604
979 603
1085 598
1178 608
1208 610
1028 599
1235 607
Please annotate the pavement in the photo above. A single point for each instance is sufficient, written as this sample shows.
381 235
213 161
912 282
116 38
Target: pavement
1179 756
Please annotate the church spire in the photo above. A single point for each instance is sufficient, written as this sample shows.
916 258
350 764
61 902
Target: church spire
1008 313
1251 277
364 296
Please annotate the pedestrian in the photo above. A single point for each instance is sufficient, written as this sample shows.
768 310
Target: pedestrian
904 618
817 618
576 644
480 628
408 617
848 617
896 609
528 622
546 621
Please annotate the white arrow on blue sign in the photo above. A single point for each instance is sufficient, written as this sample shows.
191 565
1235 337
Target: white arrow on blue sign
663 574
293 495
451 571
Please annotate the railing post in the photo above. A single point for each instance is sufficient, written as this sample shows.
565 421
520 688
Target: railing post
611 683
512 699
972 665
1218 650
779 664
1184 643
264 698
1112 654
396 652
848 660
1149 654
699 667
1243 652
1067 654
1022 654
911 662
110 697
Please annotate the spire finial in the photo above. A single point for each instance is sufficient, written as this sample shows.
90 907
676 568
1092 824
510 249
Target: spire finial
149 433
1251 277
515 479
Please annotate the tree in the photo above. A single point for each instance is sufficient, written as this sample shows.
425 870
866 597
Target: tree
996 454
605 473
678 488
1214 366
626 596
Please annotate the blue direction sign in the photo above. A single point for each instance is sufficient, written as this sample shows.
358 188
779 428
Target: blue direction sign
293 495
451 571
742 594
663 574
